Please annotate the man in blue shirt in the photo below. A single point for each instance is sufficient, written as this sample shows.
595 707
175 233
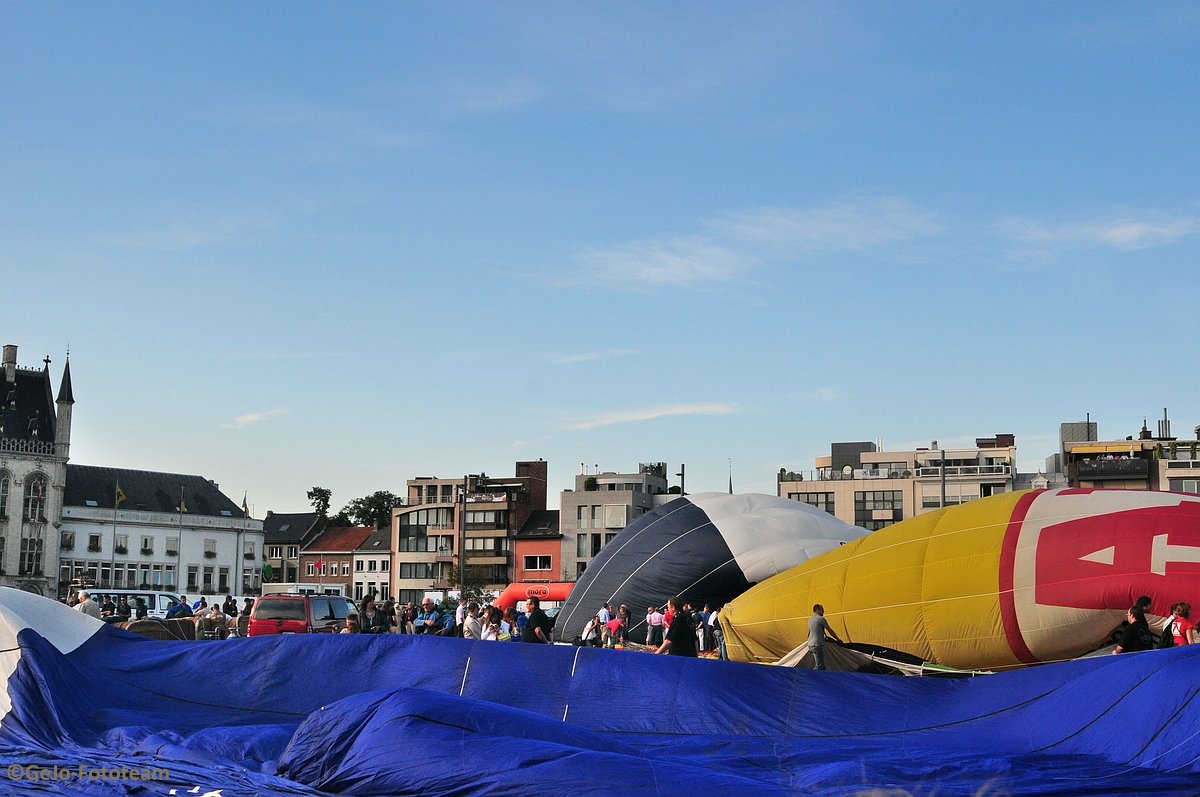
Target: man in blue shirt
429 619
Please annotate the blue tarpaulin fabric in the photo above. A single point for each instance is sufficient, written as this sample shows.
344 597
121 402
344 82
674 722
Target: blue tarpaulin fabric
393 714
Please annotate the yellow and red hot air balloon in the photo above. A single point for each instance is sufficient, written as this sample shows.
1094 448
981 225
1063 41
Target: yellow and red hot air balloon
1014 579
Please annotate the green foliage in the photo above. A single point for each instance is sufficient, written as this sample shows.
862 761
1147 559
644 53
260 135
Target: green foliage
319 498
590 484
474 587
374 510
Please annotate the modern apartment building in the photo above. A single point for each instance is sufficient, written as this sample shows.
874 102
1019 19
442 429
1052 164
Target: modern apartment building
602 504
1147 461
474 516
862 484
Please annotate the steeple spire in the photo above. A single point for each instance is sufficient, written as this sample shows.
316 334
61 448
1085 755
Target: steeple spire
64 390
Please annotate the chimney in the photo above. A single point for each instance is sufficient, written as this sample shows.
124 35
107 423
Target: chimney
10 362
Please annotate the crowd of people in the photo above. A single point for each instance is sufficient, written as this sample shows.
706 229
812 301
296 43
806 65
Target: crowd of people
468 620
1135 633
677 629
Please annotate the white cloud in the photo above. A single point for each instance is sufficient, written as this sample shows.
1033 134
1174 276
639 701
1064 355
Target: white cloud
656 263
1124 232
839 227
251 418
650 414
734 245
588 356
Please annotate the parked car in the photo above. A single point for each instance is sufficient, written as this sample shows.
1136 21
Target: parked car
300 614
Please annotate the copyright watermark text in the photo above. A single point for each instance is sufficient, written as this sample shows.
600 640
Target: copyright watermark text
84 773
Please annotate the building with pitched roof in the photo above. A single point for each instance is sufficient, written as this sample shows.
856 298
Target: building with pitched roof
285 534
35 442
373 566
328 560
135 529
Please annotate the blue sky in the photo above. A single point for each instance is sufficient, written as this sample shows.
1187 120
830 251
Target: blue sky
350 244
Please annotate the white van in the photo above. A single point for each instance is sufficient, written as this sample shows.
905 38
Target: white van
157 603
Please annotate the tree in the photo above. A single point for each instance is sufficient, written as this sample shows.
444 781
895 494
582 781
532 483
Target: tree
474 588
319 498
374 510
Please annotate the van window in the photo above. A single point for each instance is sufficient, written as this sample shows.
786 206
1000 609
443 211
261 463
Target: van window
279 610
321 610
342 608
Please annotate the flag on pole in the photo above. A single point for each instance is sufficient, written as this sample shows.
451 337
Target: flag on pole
245 509
118 496
182 503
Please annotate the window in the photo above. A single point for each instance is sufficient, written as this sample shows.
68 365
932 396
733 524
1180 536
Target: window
207 586
223 580
120 543
172 546
248 550
1184 485
156 576
372 565
345 568
383 565
596 521
31 556
35 497
581 517
487 519
421 570
312 569
147 545
169 572
94 543
358 592
581 546
537 563
293 551
822 501
275 552
877 509
417 522
5 481
358 565
144 574
931 494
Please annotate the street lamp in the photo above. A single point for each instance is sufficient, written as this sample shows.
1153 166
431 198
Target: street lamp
942 468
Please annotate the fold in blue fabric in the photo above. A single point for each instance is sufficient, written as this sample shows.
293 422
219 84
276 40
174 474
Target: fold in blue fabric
393 714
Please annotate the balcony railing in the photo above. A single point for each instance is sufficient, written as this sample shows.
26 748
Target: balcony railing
15 445
1098 469
957 471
